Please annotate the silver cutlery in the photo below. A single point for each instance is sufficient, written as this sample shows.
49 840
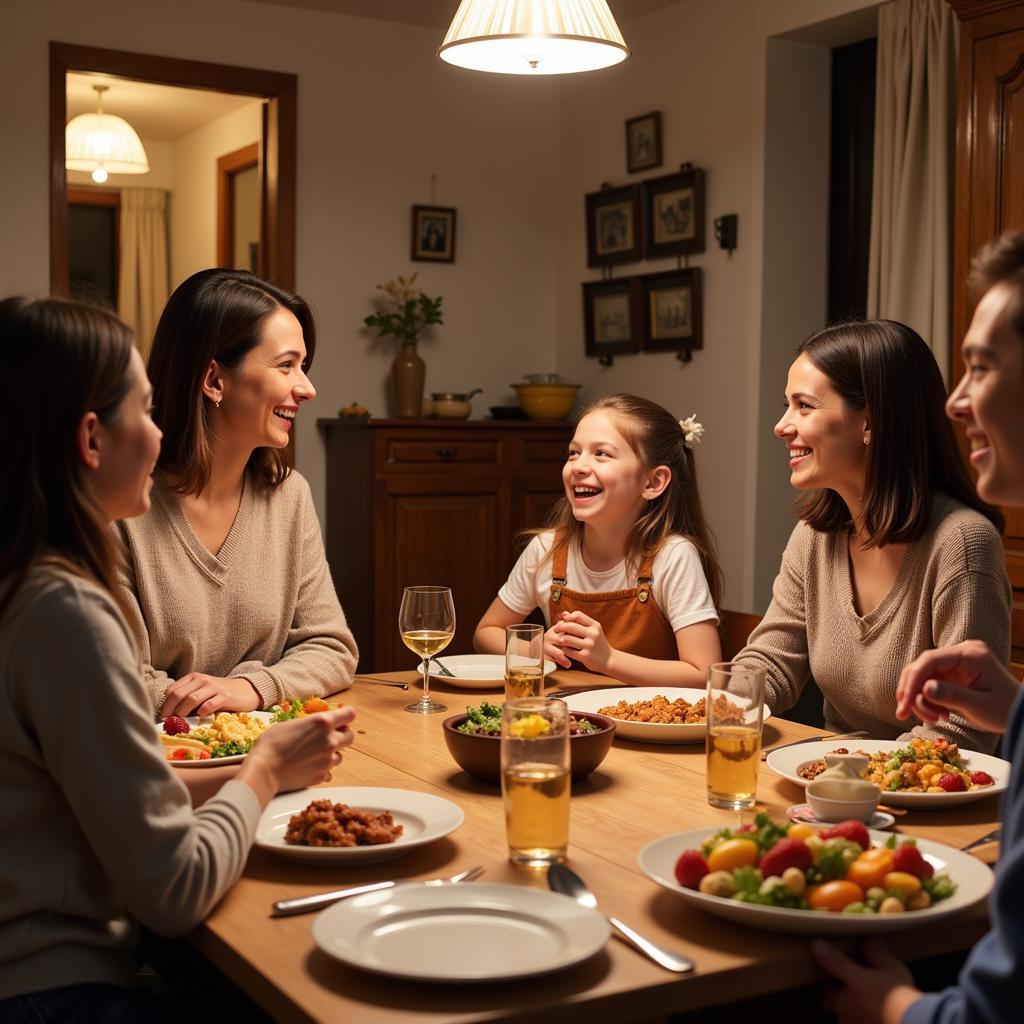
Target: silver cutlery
381 682
564 880
445 671
860 734
991 837
305 904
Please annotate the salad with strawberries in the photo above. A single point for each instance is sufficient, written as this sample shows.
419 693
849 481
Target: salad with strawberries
836 870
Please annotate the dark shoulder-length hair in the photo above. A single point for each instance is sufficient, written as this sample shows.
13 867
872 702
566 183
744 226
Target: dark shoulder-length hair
62 360
886 368
214 314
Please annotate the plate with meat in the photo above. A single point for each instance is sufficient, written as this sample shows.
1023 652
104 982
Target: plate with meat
353 824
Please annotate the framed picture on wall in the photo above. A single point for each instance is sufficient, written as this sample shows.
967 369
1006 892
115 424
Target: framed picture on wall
643 142
671 311
611 311
614 233
433 234
674 213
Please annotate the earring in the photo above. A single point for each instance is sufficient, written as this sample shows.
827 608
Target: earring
865 439
216 405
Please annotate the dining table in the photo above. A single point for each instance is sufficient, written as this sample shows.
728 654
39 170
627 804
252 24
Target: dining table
642 791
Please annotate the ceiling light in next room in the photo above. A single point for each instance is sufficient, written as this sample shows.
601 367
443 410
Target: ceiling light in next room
103 143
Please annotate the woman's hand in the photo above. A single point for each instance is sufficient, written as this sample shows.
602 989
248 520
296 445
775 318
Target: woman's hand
583 638
878 993
200 694
966 678
297 754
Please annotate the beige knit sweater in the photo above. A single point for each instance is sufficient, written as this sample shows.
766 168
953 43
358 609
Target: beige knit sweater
951 586
98 828
263 608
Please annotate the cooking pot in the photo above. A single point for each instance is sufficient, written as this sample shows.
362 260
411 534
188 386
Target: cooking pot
453 405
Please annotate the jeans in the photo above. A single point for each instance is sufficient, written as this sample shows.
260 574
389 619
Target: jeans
88 1003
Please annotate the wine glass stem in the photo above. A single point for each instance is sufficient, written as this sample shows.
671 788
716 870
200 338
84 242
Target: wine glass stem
425 669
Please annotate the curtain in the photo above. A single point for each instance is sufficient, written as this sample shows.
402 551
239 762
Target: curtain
911 248
143 283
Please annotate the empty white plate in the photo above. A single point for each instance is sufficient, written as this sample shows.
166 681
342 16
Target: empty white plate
467 932
476 671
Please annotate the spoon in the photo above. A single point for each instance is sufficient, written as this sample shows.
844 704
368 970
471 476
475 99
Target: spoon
564 880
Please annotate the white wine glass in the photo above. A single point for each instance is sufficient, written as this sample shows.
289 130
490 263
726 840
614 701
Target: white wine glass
426 621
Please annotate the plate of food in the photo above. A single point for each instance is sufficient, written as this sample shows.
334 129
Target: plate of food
220 739
475 671
844 880
651 714
460 933
916 773
353 824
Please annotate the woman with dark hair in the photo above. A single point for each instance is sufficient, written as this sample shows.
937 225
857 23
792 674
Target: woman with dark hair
86 854
895 554
230 596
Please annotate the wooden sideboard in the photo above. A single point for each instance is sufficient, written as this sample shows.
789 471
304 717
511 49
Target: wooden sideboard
431 502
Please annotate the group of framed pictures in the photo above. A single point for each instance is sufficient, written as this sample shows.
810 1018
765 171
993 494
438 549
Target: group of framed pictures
650 312
662 216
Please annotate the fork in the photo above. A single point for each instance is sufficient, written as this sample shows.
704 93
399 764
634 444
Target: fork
991 837
304 904
445 670
858 735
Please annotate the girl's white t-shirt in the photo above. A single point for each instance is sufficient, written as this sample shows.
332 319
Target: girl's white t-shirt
680 588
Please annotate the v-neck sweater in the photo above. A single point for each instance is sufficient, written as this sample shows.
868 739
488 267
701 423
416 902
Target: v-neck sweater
262 608
951 586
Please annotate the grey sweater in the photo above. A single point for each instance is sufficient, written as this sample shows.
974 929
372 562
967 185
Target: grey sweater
98 830
951 586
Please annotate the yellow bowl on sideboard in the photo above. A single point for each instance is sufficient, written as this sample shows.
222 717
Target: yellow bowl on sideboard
546 401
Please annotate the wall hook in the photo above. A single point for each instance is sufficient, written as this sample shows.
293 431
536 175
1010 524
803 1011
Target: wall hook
606 360
684 355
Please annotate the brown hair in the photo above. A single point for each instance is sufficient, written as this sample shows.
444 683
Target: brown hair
999 262
657 439
62 360
214 314
886 368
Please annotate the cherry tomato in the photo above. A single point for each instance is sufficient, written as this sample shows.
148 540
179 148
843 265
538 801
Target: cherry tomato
181 754
801 831
733 853
315 704
834 895
904 882
871 867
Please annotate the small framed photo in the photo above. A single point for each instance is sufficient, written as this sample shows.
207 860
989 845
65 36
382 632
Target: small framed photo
674 213
614 233
611 316
671 311
433 234
643 142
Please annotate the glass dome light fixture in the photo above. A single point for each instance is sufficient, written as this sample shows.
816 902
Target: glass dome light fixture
103 143
533 37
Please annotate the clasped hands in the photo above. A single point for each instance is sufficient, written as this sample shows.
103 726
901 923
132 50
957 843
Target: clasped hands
577 636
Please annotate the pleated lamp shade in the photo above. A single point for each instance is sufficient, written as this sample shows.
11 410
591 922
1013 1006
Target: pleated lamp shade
533 37
101 141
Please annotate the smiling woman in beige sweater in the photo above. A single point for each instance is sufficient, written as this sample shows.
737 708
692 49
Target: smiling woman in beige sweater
229 593
895 554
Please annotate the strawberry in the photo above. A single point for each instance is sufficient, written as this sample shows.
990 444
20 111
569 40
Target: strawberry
951 782
786 853
175 726
908 858
855 831
982 779
691 868
744 829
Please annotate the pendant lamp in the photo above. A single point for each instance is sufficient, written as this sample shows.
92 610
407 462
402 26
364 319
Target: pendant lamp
103 143
533 37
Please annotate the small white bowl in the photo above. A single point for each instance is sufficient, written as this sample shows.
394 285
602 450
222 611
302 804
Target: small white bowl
830 801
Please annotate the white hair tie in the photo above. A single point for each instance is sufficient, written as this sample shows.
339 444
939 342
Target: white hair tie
692 431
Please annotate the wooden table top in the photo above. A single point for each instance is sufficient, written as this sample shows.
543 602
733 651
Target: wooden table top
640 792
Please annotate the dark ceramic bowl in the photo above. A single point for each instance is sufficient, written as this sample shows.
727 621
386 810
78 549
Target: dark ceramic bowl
480 755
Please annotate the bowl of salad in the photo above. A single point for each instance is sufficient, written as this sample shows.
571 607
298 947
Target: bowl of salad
474 741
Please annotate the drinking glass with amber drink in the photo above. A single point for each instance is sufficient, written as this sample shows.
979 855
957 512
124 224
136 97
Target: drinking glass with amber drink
524 661
426 622
535 779
735 713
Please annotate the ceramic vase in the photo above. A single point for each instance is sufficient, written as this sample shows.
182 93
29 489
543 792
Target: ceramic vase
407 373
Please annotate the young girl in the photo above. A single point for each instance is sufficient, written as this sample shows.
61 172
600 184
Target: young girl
101 833
626 576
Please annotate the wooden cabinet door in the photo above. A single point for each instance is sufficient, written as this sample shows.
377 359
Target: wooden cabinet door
441 529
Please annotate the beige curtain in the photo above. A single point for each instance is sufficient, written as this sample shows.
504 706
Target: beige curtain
909 271
143 283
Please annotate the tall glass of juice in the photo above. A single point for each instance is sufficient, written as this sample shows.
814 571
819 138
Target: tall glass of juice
535 779
735 712
524 661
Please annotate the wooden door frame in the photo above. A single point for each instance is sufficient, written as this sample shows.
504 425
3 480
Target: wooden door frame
227 167
280 90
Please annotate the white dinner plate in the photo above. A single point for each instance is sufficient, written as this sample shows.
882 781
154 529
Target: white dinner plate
476 671
469 932
423 817
787 762
212 762
973 880
646 732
